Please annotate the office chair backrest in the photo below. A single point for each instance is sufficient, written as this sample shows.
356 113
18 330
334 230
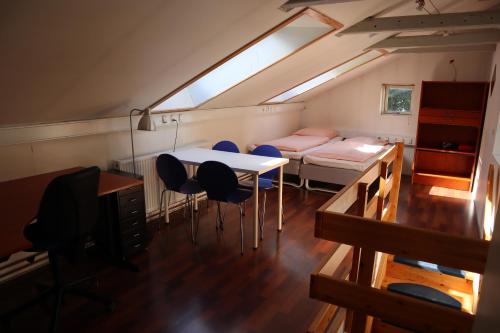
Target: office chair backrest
171 171
270 151
69 211
226 146
217 179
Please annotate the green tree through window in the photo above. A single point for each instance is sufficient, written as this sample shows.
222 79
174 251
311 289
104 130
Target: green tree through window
397 99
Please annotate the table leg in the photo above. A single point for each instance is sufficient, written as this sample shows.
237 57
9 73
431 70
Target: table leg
195 197
255 211
280 199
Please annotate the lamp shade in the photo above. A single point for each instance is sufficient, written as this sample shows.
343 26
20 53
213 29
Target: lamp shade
146 123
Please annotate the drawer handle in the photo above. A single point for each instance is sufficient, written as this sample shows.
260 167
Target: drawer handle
137 235
134 212
135 223
137 245
133 200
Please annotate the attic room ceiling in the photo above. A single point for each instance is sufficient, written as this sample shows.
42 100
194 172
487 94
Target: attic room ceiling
86 59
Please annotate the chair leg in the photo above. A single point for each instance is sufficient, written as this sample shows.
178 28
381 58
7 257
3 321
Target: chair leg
191 206
185 207
241 229
263 215
223 219
218 216
105 300
167 206
161 205
57 310
59 291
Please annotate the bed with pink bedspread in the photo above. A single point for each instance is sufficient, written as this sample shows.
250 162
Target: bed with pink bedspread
340 162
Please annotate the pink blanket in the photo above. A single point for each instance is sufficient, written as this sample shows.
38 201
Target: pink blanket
297 142
348 151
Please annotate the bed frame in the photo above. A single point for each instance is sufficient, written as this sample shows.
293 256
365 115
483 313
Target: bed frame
293 168
332 175
349 279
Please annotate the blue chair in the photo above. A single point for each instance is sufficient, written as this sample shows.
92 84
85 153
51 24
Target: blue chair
265 180
175 178
221 184
226 146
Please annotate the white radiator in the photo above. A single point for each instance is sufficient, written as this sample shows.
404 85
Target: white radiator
146 166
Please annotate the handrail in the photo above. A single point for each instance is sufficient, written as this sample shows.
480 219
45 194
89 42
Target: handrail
416 243
371 230
370 191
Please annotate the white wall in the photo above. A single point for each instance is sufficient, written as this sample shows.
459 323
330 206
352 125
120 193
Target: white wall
487 319
488 145
32 150
353 106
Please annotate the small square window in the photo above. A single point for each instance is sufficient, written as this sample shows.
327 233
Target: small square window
396 99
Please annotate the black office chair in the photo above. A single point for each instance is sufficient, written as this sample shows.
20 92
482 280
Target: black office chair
66 219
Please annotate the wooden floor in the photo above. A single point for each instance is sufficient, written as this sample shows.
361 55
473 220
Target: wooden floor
211 288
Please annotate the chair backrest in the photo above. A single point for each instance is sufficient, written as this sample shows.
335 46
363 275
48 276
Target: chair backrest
171 172
217 179
226 146
270 151
69 211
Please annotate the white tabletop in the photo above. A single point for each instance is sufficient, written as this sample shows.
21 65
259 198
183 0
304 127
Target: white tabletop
245 163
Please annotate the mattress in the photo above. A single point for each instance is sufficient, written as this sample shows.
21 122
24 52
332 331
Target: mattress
342 164
297 155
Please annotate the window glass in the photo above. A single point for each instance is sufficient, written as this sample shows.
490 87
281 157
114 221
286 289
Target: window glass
397 99
327 76
267 51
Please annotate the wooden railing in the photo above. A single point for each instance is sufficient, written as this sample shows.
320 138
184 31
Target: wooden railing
351 276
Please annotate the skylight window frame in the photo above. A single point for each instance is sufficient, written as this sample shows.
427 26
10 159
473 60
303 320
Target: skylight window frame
334 24
382 52
385 99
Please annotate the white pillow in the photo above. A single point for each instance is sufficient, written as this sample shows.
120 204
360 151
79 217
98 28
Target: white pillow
315 131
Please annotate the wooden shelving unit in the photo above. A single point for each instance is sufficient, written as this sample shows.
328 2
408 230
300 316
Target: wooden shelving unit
450 112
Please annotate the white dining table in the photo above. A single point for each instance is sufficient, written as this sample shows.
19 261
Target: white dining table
243 163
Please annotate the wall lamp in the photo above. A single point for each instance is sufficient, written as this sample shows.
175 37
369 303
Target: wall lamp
146 123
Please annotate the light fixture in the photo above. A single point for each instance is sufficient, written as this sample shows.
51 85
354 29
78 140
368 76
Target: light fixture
146 123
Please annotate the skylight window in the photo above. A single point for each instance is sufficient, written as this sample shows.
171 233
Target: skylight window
290 36
326 76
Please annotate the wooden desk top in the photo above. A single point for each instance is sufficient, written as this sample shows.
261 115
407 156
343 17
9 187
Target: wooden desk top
20 198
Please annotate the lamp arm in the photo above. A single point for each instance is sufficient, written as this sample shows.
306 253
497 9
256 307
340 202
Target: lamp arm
132 137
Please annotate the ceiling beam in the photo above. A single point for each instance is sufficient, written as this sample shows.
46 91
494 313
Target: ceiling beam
440 49
469 38
439 22
291 4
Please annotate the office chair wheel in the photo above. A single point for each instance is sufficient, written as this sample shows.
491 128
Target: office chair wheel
111 307
6 324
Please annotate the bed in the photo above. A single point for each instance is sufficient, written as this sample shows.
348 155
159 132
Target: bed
340 162
296 146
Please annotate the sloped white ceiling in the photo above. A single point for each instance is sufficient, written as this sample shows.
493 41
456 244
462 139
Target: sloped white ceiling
83 59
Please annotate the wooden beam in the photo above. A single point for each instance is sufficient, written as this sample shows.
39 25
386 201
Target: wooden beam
440 49
291 4
416 243
439 22
397 169
469 38
329 318
397 309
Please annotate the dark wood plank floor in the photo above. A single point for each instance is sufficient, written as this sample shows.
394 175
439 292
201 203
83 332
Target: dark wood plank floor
211 288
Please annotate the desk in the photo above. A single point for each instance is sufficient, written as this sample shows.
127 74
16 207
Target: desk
20 198
244 163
